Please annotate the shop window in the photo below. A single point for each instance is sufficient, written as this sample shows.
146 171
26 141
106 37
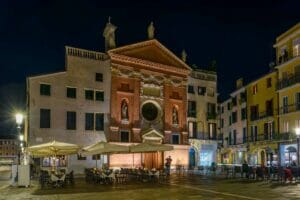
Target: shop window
96 157
80 157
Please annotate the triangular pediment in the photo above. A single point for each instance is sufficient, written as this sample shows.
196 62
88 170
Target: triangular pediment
151 50
151 133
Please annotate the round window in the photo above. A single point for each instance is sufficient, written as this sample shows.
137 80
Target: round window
149 111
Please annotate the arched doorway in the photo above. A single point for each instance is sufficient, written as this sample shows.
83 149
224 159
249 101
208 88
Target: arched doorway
192 158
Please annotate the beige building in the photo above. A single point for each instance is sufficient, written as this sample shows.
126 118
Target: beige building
71 106
201 117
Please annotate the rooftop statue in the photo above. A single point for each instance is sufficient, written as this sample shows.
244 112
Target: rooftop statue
183 55
151 30
109 35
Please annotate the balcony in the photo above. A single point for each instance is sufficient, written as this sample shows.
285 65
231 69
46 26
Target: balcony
203 136
262 115
238 141
211 115
273 137
267 113
286 82
289 109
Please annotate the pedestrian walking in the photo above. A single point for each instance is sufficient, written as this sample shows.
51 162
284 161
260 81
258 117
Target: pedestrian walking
168 165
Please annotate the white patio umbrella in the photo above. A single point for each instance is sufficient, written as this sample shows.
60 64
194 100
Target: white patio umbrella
53 148
104 148
149 147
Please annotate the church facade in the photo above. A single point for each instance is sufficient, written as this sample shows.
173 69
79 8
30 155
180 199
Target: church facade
148 99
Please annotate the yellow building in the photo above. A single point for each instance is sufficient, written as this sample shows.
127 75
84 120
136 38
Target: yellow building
288 88
262 119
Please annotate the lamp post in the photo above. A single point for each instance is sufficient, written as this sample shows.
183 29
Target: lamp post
19 121
297 130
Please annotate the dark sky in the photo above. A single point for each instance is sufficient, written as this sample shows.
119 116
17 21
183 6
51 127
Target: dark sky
238 36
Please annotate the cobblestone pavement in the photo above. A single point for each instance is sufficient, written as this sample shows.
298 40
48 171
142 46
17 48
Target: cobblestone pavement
177 187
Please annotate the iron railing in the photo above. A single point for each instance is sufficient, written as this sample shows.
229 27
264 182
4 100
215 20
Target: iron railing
286 82
271 137
203 136
289 108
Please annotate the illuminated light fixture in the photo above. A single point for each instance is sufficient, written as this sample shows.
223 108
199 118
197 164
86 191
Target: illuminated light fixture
297 130
19 118
21 137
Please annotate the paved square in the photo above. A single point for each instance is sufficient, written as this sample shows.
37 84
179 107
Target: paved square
177 187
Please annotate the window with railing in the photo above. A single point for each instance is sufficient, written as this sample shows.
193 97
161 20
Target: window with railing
288 80
284 55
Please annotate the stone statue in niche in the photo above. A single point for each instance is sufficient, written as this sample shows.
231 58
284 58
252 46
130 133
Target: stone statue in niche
124 110
175 115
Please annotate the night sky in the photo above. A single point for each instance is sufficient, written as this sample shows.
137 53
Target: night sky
238 36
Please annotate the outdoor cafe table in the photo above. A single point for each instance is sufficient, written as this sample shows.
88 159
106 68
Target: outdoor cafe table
57 179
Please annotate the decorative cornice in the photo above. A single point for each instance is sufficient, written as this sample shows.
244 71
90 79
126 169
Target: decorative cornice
149 64
154 42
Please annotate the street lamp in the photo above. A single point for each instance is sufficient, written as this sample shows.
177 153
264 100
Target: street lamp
297 130
19 121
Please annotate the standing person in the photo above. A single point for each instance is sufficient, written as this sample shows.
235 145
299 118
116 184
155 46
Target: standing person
245 169
168 164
